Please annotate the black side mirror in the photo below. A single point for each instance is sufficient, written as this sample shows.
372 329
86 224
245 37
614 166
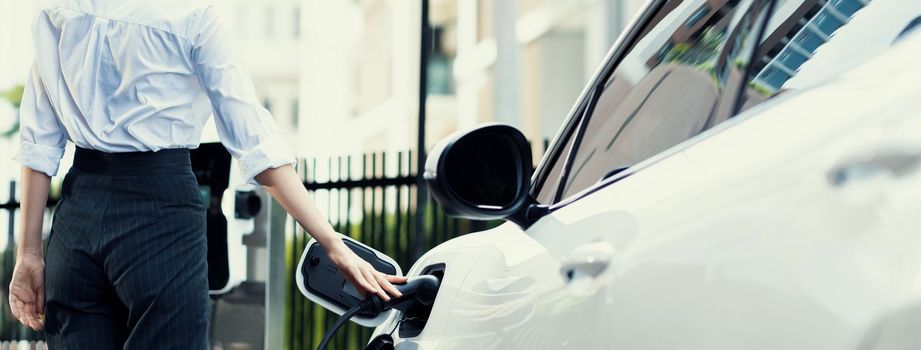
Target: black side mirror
481 174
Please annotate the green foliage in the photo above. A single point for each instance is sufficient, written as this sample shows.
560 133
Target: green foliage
14 97
740 63
761 89
701 53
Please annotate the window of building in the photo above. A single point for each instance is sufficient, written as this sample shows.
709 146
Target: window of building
791 58
847 7
296 22
295 113
267 104
808 40
827 22
375 70
441 64
269 20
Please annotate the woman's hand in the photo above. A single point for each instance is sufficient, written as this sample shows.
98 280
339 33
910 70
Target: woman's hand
285 186
361 274
27 291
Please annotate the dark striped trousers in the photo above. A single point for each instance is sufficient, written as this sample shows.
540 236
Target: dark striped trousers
125 265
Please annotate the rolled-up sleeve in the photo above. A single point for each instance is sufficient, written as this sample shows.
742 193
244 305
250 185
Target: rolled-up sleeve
42 138
245 128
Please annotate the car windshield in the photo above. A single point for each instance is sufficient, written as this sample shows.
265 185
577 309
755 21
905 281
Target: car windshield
683 74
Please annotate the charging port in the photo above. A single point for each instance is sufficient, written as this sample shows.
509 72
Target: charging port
415 318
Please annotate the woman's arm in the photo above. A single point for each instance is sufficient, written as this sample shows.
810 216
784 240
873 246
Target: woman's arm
34 199
27 287
248 132
287 189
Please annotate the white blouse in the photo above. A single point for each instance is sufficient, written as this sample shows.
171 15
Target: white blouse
140 75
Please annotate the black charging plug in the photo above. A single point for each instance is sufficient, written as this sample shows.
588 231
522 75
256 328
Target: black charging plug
419 290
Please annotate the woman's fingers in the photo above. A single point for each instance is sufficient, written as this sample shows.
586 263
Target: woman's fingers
369 276
396 279
28 314
358 280
32 321
22 310
25 313
15 305
31 316
40 301
384 282
365 278
16 308
374 282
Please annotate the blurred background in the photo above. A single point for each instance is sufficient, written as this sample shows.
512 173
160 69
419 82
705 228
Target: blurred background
361 89
347 84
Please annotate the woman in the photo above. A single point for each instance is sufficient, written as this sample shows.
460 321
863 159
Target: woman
131 83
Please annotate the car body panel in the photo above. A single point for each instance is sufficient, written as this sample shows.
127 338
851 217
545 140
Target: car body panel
795 225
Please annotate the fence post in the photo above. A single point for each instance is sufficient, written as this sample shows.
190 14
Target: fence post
421 195
276 277
11 220
12 330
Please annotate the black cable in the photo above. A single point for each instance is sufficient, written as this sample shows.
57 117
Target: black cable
341 321
422 290
395 326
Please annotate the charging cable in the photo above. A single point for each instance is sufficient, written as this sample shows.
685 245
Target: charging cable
419 290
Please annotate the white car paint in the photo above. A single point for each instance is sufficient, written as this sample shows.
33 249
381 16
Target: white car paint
794 226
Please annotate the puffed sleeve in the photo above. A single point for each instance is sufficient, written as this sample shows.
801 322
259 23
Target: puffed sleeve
244 127
42 138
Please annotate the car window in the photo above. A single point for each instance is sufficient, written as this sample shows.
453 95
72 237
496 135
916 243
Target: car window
679 79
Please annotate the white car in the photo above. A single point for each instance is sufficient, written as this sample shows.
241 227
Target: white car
739 175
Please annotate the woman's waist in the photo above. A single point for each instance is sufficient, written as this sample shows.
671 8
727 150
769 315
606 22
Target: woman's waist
164 161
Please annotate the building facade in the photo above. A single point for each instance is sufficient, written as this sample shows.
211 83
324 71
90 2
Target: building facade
521 62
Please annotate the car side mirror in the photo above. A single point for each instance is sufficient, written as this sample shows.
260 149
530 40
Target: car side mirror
319 280
482 174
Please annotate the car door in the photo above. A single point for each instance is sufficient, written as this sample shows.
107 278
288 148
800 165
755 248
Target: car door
679 79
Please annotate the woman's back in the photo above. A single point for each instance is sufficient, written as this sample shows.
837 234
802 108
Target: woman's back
121 63
140 75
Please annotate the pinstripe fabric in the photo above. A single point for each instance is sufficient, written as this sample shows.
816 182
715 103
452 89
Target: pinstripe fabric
126 259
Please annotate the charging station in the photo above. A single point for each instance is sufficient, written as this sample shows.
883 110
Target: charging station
246 270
